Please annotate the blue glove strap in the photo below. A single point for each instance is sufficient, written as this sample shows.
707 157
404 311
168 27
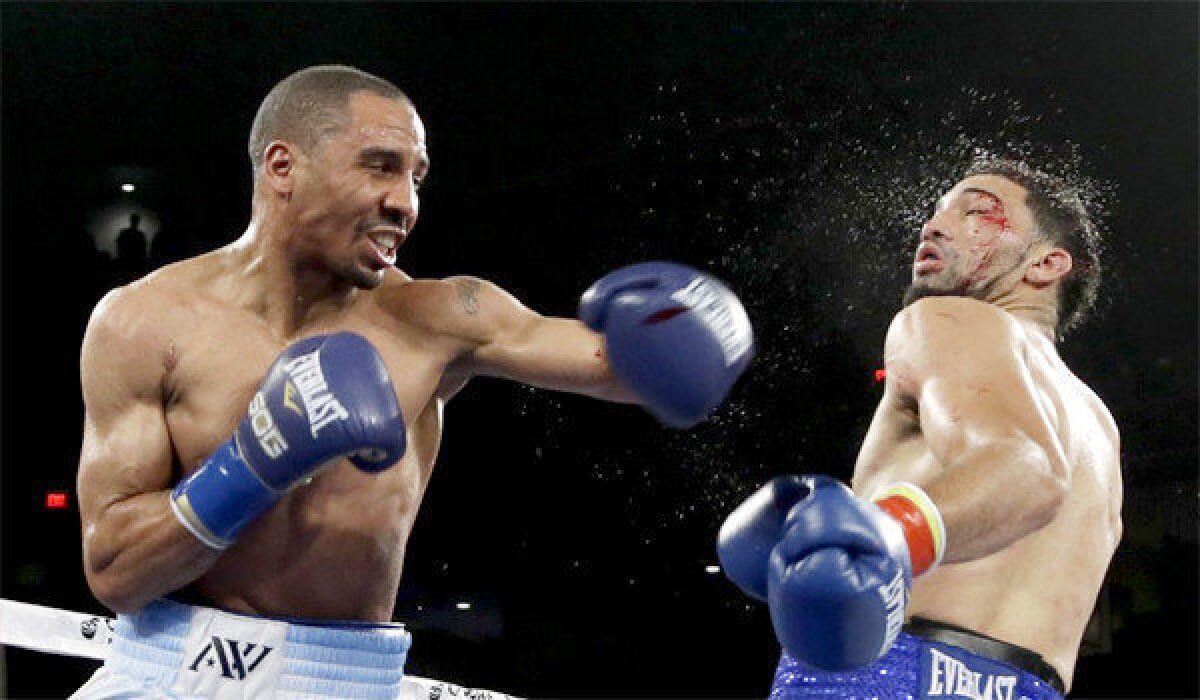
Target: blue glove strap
221 497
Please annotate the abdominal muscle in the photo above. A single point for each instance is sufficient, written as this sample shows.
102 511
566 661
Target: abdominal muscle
332 549
1038 592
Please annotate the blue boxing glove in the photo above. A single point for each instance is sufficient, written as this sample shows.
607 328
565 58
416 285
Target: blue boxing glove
325 398
749 534
838 576
675 336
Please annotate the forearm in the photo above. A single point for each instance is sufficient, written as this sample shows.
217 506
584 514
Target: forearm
596 383
606 387
137 551
558 354
992 496
677 339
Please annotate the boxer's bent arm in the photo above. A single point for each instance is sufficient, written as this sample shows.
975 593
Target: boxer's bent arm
510 341
1003 471
134 548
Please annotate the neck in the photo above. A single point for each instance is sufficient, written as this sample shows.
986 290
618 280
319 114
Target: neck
278 284
1034 308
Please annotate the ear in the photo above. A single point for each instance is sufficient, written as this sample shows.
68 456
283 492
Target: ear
1051 265
279 165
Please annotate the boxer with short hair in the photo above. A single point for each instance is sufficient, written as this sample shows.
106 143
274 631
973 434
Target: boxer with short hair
986 500
262 420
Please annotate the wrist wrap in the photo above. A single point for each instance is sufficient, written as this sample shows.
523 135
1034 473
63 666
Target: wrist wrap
221 498
921 522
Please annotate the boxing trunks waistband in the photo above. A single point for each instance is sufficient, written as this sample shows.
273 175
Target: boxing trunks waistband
193 651
1018 657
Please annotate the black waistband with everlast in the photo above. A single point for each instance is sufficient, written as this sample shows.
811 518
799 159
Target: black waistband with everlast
983 645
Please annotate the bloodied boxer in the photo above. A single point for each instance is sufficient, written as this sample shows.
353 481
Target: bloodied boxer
986 500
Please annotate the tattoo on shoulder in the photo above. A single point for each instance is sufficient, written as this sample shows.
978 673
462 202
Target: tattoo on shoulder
468 290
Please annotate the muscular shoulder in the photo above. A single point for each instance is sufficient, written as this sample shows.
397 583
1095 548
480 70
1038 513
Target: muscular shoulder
133 313
131 327
152 302
950 324
949 337
171 288
464 308
124 346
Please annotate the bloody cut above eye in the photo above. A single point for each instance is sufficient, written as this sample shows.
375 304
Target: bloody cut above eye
996 216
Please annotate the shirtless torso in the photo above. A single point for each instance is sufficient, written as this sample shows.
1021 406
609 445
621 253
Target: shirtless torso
169 365
962 374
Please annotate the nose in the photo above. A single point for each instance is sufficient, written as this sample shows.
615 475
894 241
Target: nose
400 203
933 231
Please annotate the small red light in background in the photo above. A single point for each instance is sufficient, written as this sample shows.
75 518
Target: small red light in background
56 500
880 375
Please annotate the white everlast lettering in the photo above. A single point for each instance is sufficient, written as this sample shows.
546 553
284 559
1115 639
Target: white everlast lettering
968 683
324 410
320 406
935 673
894 603
731 326
989 686
949 677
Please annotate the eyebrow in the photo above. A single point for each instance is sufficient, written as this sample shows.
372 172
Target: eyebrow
985 193
973 190
392 156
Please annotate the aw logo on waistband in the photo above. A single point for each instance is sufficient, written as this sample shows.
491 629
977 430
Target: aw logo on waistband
231 657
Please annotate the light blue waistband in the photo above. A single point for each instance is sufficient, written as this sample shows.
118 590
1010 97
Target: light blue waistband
319 658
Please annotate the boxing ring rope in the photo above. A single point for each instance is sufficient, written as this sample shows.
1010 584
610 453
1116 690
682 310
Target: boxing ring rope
55 631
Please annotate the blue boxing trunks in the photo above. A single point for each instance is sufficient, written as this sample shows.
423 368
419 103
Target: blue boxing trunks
172 650
930 660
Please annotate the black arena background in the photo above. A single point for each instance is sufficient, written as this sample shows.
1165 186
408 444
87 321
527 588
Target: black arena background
788 148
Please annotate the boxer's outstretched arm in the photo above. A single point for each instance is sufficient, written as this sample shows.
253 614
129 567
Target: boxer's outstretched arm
134 548
508 340
1003 471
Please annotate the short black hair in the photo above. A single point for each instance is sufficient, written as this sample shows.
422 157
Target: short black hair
309 104
1062 219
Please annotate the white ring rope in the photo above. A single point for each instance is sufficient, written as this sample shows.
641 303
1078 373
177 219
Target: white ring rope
55 631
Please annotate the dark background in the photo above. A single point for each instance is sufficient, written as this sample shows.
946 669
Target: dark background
793 150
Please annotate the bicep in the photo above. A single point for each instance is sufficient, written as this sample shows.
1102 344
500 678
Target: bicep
973 390
126 444
992 407
124 454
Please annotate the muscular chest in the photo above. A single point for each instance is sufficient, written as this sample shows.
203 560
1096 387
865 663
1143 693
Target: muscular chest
215 367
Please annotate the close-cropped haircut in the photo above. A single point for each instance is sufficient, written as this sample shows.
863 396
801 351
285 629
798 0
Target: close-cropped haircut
309 104
1063 220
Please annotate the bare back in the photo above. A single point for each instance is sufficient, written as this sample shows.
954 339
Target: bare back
1039 591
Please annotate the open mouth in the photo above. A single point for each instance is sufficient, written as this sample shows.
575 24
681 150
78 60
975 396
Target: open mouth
928 259
385 242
